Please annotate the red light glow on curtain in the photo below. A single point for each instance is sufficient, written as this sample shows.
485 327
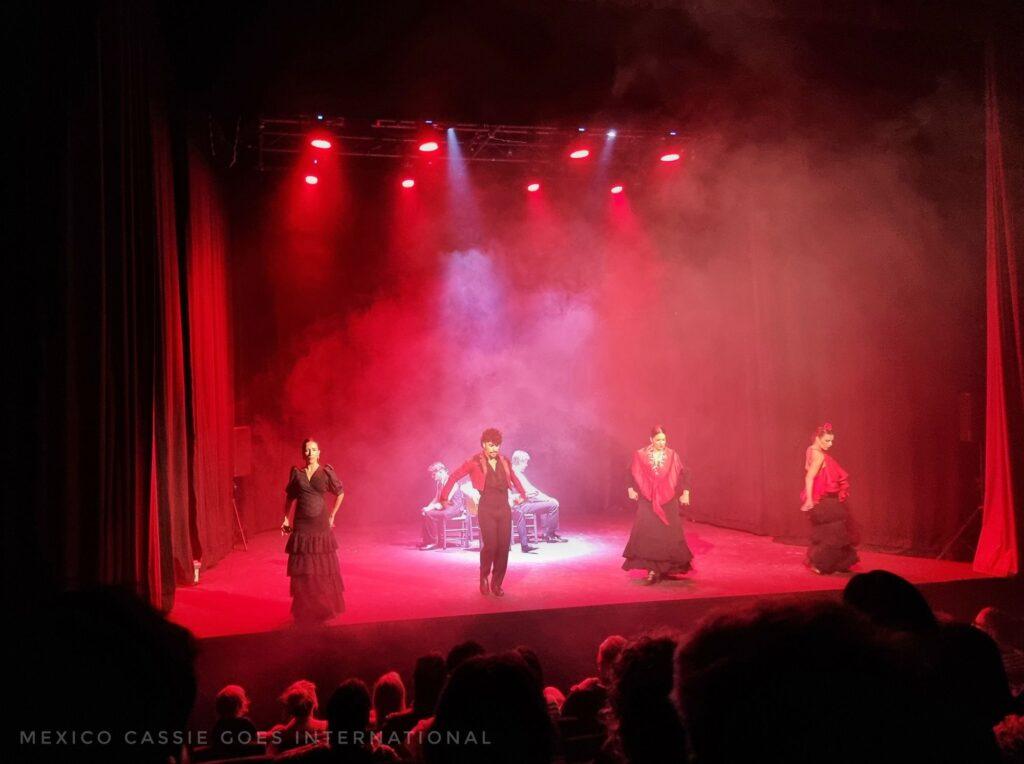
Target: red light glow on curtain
999 546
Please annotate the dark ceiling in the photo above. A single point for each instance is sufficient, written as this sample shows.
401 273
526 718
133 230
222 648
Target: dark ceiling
692 64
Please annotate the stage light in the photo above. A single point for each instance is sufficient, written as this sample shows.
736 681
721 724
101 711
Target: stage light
611 133
429 146
533 187
408 183
618 189
320 143
312 180
673 157
319 117
581 129
580 154
672 132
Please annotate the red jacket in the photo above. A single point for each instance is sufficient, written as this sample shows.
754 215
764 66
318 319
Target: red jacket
476 467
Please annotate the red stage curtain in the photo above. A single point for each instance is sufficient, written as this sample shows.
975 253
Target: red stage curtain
117 345
999 547
212 386
123 418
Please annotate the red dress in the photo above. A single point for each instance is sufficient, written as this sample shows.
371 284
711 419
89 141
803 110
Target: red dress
832 537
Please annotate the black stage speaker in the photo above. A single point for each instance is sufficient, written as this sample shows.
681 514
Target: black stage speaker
242 441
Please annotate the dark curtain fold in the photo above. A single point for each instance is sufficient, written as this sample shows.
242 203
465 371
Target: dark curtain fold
999 547
105 428
169 497
111 293
210 364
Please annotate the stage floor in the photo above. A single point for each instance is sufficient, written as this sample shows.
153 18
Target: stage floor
388 579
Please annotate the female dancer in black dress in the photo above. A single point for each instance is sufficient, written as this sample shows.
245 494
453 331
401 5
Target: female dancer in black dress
660 485
316 586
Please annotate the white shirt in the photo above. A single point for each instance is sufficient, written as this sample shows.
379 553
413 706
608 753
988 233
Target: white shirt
532 494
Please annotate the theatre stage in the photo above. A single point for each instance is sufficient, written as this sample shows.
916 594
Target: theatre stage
388 579
561 600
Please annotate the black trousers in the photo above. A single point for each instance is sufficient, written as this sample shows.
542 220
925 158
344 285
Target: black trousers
495 519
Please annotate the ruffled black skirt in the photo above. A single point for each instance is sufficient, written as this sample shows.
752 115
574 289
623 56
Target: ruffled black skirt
655 546
832 537
316 586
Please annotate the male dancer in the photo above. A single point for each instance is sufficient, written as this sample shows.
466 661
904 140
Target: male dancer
435 512
536 502
492 475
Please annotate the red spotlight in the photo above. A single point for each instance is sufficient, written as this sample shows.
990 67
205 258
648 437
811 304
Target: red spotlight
618 189
673 157
320 143
533 187
312 180
580 154
408 183
429 146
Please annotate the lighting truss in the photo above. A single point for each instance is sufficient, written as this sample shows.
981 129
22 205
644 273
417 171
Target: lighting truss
281 139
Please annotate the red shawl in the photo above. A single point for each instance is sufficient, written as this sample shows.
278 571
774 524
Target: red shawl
657 487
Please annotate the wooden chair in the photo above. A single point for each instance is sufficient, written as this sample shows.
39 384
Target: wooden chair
531 530
462 528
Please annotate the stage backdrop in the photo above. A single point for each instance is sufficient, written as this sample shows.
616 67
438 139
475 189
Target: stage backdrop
740 299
